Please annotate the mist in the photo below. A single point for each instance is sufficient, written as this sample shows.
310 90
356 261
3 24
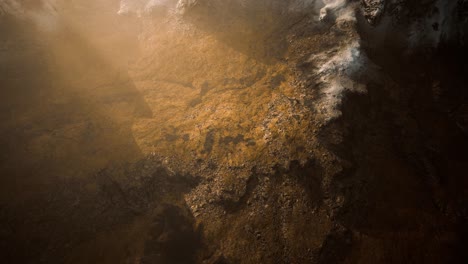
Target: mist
233 131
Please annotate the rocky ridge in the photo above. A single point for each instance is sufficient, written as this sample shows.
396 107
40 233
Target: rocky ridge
274 132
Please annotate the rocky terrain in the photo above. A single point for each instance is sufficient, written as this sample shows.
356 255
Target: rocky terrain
233 131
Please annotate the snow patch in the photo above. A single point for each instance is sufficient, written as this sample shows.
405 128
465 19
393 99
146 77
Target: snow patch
340 9
339 74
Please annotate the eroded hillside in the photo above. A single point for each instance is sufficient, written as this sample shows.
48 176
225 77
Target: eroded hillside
233 131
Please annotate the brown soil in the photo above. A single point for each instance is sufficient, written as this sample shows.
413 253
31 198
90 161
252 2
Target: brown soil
204 138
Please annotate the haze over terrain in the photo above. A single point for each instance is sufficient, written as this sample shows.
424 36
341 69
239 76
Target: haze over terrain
233 131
